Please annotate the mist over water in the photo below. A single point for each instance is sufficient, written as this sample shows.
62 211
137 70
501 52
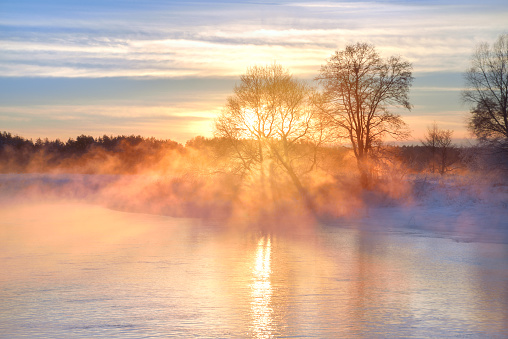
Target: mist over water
182 246
79 270
306 212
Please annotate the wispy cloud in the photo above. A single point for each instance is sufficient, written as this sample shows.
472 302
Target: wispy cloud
193 45
225 38
68 121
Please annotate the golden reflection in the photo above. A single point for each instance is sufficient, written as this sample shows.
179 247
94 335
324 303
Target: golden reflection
261 291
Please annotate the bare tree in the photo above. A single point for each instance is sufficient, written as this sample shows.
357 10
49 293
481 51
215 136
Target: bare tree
361 87
487 90
267 119
439 144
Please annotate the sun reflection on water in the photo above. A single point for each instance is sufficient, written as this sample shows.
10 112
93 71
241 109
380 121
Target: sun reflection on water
261 291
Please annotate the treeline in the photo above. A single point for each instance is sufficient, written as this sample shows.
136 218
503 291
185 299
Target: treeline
205 177
420 158
85 154
136 154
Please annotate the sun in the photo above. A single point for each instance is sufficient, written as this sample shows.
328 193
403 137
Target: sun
252 121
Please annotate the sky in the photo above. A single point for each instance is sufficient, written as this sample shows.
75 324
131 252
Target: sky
165 68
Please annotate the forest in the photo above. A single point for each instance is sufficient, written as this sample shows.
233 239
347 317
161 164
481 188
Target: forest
136 154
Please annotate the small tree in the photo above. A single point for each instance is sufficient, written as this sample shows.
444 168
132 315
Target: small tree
361 87
439 144
487 90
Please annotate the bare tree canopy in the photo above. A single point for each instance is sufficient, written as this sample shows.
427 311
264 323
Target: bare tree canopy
439 144
361 87
267 120
487 90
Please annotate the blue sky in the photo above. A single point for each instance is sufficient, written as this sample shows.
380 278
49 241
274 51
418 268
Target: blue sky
165 68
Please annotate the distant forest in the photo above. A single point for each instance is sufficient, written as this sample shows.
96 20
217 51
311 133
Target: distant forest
206 178
135 154
84 154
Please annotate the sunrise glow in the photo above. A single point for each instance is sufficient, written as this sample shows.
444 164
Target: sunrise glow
184 61
253 169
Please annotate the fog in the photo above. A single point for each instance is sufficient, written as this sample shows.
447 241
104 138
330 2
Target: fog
132 237
203 179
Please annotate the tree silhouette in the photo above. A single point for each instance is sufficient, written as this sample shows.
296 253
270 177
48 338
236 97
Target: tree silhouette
487 90
360 87
439 144
267 120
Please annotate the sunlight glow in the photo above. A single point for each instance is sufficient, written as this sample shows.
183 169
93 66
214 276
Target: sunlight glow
261 291
251 122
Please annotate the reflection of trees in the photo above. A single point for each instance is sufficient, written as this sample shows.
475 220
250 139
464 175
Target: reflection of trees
272 125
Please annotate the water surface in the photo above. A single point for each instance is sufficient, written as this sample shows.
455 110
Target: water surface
76 270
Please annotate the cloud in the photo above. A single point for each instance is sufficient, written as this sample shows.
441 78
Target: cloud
178 109
179 40
179 124
193 52
454 120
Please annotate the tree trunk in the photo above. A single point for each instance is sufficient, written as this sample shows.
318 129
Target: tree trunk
309 203
364 168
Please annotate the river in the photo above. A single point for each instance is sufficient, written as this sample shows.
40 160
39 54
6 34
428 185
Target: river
71 270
